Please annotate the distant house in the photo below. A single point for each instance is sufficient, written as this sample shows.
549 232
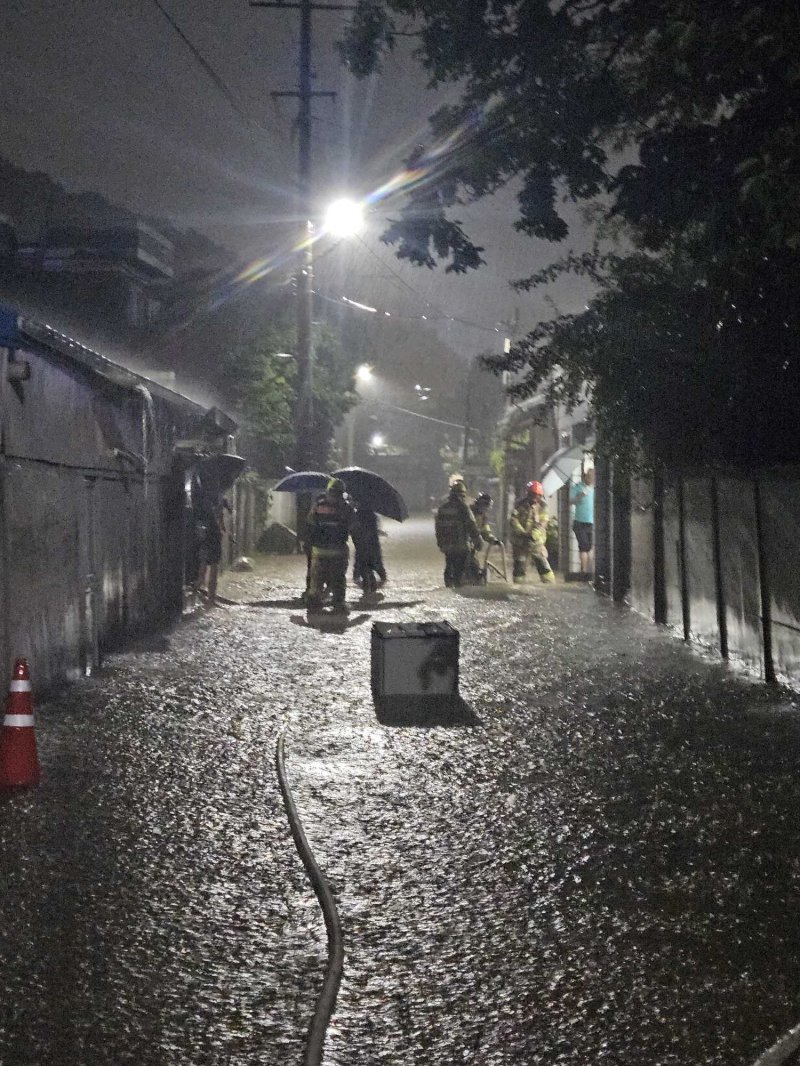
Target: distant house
96 469
112 279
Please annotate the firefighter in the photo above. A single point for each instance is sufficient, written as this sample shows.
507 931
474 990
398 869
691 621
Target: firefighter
473 571
480 509
456 533
328 528
528 523
452 481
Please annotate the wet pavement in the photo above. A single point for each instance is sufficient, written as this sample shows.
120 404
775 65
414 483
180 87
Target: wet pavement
597 862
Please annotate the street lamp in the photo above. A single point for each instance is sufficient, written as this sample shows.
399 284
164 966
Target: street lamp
344 218
363 374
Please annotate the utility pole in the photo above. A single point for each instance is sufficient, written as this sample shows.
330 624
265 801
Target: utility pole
306 447
473 366
513 331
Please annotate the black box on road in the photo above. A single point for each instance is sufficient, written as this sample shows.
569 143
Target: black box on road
414 659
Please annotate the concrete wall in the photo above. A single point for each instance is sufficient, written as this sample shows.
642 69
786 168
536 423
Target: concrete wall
92 513
249 499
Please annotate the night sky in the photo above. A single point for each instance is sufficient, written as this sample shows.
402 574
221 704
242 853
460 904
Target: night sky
108 97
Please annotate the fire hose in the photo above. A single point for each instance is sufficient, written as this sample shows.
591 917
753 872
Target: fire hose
333 976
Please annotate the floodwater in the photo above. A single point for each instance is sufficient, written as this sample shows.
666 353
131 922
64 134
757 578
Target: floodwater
595 861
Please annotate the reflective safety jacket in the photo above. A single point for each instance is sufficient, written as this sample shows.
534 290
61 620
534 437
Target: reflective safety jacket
528 522
328 526
455 526
484 526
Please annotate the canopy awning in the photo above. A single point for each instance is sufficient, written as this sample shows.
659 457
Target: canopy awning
519 415
562 466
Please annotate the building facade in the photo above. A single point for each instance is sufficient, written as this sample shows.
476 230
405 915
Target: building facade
95 530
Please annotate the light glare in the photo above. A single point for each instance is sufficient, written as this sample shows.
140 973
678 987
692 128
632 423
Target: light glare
344 218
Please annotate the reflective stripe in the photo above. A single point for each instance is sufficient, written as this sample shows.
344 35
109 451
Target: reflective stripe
18 720
329 553
19 686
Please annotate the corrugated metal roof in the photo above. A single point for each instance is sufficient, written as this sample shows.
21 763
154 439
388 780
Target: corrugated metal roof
16 328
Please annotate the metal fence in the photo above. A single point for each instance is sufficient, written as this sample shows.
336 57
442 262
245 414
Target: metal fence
711 554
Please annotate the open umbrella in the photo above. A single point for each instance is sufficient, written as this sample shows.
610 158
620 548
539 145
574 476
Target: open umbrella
562 467
218 472
303 481
373 491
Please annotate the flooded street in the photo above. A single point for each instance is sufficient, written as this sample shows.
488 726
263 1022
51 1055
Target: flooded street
598 863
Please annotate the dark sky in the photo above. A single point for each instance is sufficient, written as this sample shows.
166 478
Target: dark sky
104 95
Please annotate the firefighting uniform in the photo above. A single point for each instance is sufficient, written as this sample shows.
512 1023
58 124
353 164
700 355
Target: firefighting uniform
528 525
328 528
456 532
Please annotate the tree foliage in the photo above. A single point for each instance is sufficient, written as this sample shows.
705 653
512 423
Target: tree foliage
261 388
682 117
234 354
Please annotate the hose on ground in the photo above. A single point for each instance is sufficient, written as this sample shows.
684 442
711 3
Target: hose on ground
785 1052
330 986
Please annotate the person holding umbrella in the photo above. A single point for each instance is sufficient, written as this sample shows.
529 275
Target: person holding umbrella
209 511
328 528
368 570
376 496
582 497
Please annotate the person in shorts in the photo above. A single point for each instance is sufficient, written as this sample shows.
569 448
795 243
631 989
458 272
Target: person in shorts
581 496
210 517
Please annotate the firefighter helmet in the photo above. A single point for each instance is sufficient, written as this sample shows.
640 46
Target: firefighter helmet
534 488
483 501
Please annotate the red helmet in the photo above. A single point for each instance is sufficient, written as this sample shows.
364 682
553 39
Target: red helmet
534 488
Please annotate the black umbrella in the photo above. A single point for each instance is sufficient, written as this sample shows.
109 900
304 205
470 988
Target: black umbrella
218 472
303 481
372 490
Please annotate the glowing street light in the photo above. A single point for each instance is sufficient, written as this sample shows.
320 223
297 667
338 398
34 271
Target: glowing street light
364 374
344 218
378 440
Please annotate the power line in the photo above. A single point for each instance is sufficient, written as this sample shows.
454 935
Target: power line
396 273
442 313
207 68
416 414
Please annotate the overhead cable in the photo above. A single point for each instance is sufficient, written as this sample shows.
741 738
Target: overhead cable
208 69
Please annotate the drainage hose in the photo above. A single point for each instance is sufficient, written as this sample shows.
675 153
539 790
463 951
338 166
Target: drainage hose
330 987
785 1052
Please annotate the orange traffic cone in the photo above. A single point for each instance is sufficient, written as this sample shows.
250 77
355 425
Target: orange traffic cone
19 763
